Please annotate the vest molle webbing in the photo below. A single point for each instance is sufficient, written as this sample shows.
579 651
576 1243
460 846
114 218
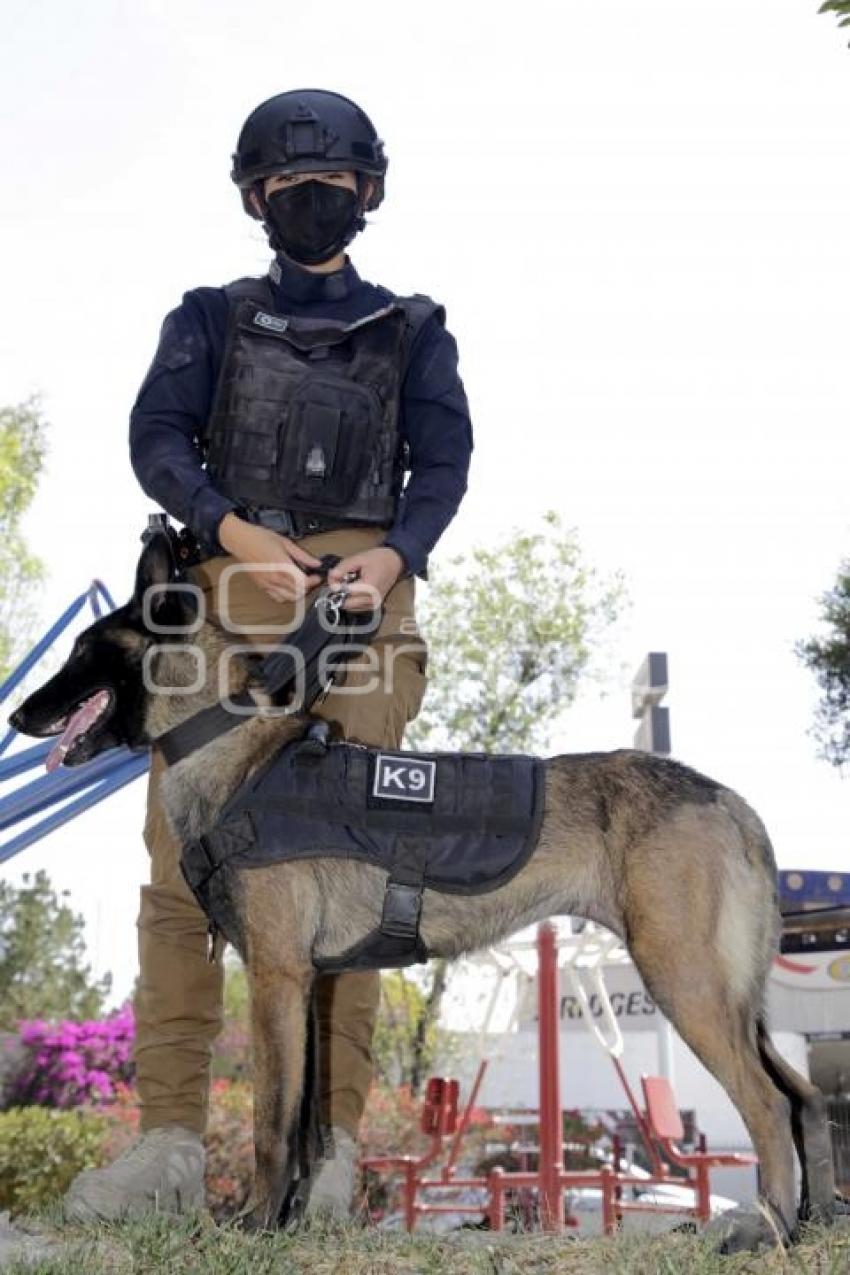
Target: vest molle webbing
459 823
306 411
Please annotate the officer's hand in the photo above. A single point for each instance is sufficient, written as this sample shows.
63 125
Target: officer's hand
377 571
279 566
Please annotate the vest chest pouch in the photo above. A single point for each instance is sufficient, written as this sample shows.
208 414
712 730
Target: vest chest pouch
306 413
329 427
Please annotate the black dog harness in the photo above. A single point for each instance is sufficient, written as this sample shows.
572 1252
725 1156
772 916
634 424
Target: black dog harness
458 823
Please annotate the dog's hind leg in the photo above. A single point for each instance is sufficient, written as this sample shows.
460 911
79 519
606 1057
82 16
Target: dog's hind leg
810 1127
723 1036
700 924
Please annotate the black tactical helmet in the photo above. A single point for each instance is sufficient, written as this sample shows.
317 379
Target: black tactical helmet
307 130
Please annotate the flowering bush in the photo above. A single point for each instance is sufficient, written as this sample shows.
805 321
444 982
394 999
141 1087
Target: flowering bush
230 1148
121 1122
68 1064
390 1124
232 1054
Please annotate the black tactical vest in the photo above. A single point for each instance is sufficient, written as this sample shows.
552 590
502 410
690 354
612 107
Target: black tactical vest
306 411
459 823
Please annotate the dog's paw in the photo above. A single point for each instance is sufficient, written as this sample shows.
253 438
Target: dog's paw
256 1217
837 1213
747 1231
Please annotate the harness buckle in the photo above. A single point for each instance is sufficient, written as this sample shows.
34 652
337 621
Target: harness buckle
402 909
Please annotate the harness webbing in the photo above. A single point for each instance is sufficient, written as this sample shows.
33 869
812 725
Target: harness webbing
299 653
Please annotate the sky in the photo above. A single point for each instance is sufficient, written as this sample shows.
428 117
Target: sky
636 217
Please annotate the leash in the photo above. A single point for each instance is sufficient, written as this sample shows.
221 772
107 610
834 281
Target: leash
326 621
279 668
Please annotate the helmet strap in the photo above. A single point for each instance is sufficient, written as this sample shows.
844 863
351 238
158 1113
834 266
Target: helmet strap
257 189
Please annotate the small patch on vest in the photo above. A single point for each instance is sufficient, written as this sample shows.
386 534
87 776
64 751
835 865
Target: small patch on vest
272 321
404 778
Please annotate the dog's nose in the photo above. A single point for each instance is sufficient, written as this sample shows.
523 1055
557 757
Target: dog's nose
15 720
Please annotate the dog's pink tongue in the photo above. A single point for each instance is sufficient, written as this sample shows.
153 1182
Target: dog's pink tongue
88 712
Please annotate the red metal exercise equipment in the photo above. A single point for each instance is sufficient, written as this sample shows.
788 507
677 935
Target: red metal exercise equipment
665 1124
439 1119
659 1126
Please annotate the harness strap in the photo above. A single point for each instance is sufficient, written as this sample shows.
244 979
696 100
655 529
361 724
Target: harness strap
322 623
402 906
397 938
395 942
203 727
325 622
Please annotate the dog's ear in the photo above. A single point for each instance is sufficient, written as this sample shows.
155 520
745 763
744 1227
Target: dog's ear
157 570
156 565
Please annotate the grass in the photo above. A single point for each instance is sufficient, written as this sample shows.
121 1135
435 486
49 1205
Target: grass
165 1246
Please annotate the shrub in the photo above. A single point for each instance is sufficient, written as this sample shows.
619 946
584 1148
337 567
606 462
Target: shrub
68 1064
121 1121
232 1053
41 1151
230 1148
390 1124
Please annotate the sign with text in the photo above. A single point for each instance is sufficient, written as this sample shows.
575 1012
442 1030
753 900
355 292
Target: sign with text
633 1007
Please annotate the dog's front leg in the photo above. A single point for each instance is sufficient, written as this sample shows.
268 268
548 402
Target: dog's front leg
279 1001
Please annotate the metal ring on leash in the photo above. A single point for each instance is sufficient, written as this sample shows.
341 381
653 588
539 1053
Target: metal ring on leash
333 601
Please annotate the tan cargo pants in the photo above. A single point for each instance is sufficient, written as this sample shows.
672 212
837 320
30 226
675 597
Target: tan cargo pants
179 993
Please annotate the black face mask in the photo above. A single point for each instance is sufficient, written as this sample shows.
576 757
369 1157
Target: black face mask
312 221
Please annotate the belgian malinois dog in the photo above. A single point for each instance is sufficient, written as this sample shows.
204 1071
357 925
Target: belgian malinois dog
676 864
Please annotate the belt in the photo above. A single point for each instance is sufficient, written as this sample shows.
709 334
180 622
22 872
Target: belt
294 523
287 522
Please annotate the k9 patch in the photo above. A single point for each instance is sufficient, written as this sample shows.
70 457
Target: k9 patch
401 778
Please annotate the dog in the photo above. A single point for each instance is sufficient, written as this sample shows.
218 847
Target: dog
674 863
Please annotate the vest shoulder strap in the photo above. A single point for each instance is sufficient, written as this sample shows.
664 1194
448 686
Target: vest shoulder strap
252 287
418 309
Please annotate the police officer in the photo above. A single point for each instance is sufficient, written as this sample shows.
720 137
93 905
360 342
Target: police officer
285 417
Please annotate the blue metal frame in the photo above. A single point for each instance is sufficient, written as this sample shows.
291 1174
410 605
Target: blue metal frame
96 779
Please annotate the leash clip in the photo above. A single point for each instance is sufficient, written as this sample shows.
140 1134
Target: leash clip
333 605
333 600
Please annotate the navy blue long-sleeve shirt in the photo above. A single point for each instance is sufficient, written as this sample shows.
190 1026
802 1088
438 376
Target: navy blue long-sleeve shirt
175 399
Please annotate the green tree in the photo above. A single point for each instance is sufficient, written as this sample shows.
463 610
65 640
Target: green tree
237 996
402 1012
43 973
22 453
841 9
828 657
512 630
